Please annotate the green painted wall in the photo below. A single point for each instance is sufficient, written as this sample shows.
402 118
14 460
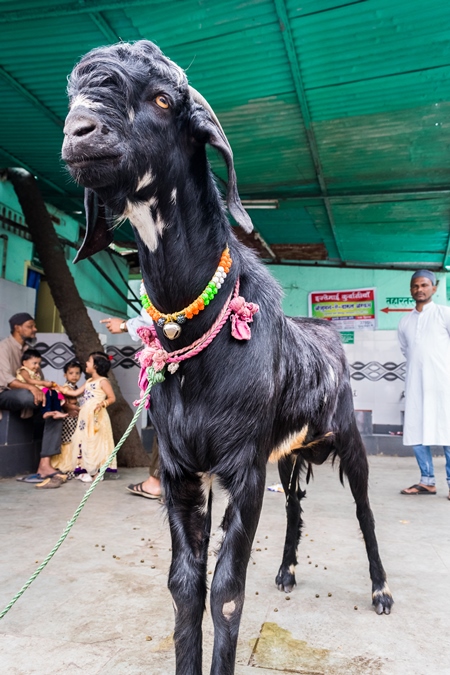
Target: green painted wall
93 288
297 282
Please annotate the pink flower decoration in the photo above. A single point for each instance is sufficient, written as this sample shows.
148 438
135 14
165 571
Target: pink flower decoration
242 315
145 357
152 356
147 334
159 359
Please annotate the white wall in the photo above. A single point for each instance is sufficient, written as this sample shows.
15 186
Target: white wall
374 350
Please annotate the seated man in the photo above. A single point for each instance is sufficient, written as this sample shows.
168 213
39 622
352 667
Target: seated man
18 396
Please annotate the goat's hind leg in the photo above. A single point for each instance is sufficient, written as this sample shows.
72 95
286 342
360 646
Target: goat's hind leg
289 470
189 511
355 465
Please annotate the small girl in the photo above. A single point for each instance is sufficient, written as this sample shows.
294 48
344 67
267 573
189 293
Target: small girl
92 441
30 373
63 461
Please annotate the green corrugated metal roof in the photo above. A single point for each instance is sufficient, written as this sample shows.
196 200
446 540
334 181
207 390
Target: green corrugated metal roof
322 101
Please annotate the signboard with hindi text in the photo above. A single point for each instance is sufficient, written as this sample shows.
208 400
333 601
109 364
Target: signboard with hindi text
348 310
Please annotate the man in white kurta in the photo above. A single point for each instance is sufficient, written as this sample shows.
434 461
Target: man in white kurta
424 336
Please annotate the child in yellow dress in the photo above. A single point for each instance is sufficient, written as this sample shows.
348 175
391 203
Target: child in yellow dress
93 441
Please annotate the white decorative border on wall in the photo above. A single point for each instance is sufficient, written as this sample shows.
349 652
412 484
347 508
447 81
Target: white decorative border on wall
374 371
59 353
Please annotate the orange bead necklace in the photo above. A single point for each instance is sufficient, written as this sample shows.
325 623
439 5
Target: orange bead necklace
171 323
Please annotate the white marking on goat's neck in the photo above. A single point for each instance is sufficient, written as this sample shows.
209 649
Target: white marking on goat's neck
131 114
141 217
85 102
146 179
173 196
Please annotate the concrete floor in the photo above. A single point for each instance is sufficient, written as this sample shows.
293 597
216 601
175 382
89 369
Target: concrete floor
107 610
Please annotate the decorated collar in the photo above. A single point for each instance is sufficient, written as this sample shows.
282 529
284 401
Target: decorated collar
153 356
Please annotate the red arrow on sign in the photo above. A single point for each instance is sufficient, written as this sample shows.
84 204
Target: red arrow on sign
386 310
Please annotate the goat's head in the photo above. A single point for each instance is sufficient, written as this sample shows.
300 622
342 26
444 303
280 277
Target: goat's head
132 114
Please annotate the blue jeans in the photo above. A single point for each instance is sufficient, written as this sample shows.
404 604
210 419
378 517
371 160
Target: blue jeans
425 462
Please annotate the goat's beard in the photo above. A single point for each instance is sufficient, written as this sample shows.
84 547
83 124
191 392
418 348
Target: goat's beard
94 176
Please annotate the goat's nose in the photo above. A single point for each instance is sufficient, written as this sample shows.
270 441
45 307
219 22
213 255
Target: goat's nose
80 125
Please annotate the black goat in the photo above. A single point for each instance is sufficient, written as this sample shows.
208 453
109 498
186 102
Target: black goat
135 138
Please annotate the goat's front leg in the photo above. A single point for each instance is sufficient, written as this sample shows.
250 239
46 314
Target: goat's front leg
288 469
228 586
189 510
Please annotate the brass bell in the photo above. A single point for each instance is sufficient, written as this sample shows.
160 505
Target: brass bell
172 330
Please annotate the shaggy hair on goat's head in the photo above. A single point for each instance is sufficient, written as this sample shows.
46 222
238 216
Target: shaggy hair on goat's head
124 66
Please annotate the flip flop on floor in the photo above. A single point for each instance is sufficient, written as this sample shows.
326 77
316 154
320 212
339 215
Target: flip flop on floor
137 490
31 478
418 490
35 477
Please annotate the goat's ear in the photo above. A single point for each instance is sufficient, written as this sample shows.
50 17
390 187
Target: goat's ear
206 128
99 233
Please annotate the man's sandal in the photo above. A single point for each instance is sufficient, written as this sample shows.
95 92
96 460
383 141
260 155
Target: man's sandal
52 482
417 490
138 490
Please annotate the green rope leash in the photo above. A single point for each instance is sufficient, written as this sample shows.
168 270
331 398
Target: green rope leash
153 378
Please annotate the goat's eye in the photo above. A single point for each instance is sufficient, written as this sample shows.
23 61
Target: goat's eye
162 101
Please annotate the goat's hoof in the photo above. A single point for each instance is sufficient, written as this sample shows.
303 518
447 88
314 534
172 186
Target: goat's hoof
382 600
285 581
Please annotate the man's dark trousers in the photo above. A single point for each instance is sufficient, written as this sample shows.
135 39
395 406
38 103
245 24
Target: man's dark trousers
16 400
